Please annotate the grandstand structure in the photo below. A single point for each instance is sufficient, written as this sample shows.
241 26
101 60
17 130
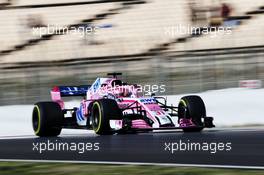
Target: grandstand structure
132 37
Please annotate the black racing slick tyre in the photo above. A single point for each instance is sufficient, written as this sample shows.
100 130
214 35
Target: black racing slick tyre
192 107
47 118
103 111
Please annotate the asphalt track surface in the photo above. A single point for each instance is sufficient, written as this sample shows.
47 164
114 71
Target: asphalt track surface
247 148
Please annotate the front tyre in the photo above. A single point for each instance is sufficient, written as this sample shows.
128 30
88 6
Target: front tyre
47 118
193 108
103 111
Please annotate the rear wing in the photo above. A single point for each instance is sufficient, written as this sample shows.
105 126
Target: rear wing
68 91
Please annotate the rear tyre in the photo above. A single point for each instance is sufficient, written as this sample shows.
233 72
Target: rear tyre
103 111
192 107
47 118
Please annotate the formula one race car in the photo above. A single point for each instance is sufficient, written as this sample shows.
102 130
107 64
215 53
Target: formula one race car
111 106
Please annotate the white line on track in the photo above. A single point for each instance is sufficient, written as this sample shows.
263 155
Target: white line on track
137 163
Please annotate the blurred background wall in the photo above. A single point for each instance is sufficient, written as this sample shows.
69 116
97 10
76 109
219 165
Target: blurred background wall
188 45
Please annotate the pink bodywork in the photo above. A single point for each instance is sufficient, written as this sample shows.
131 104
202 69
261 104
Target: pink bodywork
56 96
139 124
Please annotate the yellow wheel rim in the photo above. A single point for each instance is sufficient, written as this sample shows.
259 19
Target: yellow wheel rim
38 128
100 117
183 102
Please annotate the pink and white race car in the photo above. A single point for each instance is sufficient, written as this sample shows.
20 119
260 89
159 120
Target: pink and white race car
111 106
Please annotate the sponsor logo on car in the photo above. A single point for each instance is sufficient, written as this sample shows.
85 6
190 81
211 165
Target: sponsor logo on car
96 85
148 100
